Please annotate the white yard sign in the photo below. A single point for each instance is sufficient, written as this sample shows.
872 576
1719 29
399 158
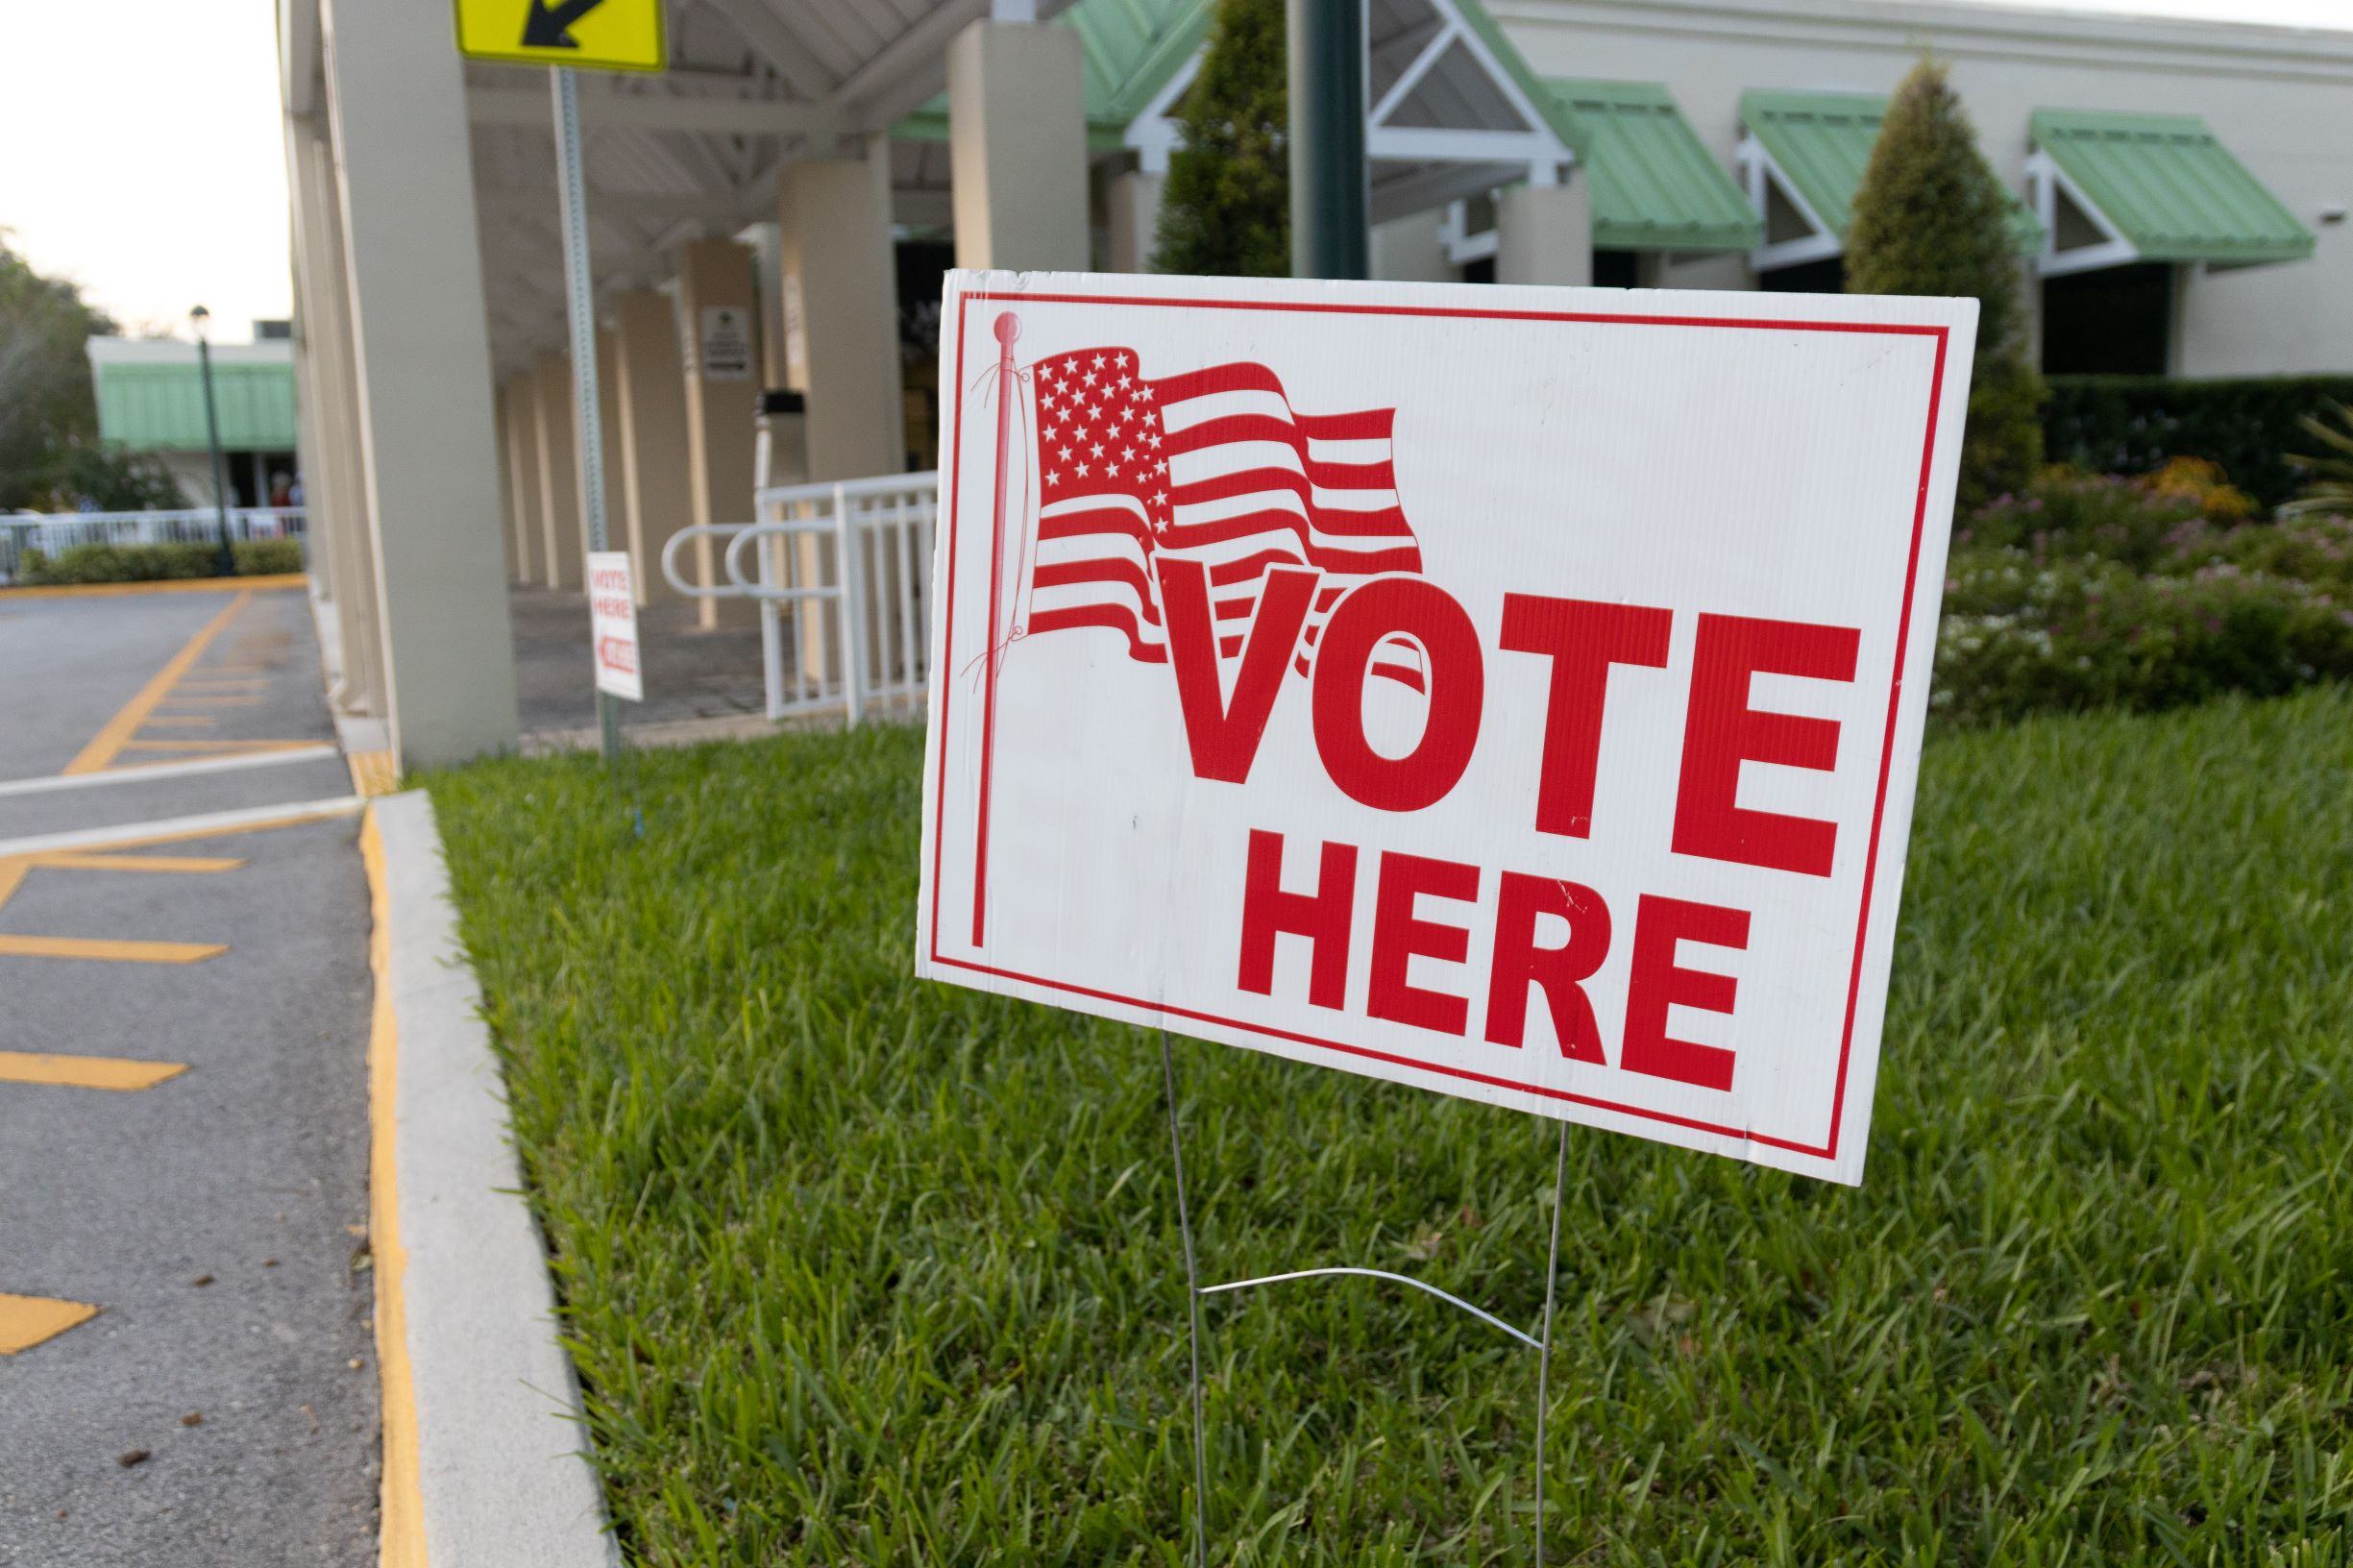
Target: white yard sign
1515 693
612 624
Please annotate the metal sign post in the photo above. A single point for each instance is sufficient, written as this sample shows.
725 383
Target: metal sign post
580 310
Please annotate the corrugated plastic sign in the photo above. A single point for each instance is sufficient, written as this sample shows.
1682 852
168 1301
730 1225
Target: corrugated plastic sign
1515 693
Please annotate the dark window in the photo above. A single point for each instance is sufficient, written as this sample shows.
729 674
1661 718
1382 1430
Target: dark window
1824 277
923 267
1481 271
1617 269
2114 321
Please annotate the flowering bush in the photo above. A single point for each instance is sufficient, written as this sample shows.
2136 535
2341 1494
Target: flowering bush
2092 592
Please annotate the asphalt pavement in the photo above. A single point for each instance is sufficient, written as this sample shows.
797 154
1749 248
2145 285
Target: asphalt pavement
186 1364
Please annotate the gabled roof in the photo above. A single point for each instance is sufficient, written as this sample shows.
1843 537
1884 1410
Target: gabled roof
2170 188
1820 142
1655 186
1563 124
1128 50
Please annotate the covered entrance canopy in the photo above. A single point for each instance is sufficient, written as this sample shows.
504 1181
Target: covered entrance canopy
2112 190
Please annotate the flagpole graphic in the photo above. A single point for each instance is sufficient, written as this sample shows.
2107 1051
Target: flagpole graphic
1212 466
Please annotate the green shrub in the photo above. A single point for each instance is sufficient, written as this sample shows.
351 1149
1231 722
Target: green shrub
2066 513
2133 424
1227 208
1931 217
268 558
2331 489
2126 598
155 563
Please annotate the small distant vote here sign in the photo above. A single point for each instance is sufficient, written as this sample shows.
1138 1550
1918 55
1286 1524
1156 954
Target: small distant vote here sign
612 624
1515 693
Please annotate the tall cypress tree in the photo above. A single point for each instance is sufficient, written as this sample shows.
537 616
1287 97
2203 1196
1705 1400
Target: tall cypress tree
1931 218
1226 210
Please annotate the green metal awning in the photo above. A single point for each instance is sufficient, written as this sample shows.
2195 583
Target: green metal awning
2168 189
1128 50
1820 142
160 407
1655 186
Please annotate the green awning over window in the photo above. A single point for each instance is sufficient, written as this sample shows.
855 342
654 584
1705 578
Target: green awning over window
161 407
2170 188
1821 141
1654 187
1128 50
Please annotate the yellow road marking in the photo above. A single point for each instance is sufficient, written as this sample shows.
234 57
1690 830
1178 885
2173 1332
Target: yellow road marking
109 950
272 583
401 1496
116 1072
25 1321
108 742
79 860
214 745
230 700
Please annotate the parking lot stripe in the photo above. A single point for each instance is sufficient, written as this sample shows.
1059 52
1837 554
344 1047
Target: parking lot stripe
140 771
25 1321
85 860
109 741
115 1072
175 829
222 745
110 950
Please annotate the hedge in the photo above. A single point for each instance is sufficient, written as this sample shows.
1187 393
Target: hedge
155 563
2132 424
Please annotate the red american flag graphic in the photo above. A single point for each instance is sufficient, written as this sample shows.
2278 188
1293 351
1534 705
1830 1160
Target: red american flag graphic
1211 465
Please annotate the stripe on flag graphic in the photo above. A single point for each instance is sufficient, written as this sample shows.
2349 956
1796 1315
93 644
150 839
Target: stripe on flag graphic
1213 466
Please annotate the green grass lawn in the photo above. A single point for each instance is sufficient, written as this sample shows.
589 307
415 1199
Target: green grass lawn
863 1271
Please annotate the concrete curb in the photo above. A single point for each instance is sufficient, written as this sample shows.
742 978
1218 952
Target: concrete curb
482 1432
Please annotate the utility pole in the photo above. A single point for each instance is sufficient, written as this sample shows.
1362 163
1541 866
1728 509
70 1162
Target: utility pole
1326 40
227 560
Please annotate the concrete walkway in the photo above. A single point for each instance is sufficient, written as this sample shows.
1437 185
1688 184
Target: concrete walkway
692 675
187 1367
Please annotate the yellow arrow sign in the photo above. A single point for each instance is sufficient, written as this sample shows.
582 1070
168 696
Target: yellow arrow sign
590 34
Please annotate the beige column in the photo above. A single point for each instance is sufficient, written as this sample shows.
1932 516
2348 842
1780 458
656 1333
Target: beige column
336 495
509 521
1544 234
1132 207
715 277
657 498
421 352
1018 147
520 401
559 473
841 319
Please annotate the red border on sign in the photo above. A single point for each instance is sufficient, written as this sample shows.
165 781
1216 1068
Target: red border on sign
1829 1150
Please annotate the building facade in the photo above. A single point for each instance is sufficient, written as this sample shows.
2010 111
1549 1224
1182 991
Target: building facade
803 173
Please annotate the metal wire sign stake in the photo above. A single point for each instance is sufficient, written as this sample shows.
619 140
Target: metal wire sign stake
1541 1343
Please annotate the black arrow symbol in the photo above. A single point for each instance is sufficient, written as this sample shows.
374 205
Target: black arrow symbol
546 27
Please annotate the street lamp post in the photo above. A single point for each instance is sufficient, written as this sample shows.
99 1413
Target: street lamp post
227 560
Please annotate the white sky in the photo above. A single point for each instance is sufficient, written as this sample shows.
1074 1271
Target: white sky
142 155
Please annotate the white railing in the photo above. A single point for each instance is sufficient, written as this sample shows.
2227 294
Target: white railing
841 575
51 534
